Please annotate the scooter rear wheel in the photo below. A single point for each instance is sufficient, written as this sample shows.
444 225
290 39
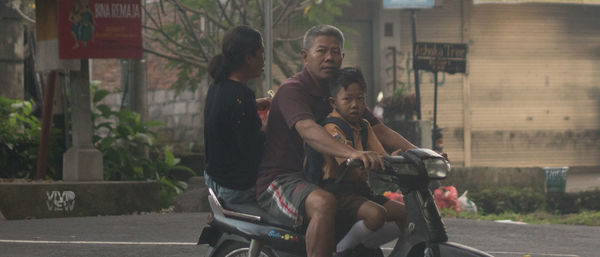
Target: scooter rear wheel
239 249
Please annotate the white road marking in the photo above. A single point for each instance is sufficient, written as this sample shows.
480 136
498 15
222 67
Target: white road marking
94 242
511 222
512 253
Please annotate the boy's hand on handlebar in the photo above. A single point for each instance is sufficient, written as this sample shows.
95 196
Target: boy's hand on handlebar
371 160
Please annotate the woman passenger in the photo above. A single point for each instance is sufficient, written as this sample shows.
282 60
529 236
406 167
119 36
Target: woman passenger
232 128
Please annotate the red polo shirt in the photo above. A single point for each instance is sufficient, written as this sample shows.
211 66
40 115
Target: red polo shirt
298 98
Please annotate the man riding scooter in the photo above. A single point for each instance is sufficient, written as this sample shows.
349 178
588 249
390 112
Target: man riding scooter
298 108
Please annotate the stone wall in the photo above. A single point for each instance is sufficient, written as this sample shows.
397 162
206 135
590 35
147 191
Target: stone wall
182 114
11 53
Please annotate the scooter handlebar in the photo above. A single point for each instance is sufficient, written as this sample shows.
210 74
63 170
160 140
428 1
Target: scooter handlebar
387 161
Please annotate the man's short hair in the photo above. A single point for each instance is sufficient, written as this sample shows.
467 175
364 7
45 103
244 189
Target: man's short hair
344 78
322 30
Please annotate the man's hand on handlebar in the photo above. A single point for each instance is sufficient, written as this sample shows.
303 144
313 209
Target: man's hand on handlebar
443 154
370 159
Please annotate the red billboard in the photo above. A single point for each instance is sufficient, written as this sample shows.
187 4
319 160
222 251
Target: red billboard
100 29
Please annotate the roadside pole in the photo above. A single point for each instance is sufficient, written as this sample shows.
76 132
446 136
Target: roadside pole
268 45
434 133
413 18
82 161
47 113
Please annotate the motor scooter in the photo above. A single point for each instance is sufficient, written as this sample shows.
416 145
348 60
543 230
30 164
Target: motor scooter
247 230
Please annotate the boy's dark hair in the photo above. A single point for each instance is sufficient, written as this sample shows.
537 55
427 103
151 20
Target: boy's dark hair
238 43
344 78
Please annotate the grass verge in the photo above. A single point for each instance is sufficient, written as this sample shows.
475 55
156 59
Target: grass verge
586 218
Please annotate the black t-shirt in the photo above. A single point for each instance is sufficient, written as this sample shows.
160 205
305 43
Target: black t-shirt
232 138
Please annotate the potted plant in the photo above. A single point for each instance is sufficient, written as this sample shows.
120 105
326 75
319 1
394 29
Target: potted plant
400 106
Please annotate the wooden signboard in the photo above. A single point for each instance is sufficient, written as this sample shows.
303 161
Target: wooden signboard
444 57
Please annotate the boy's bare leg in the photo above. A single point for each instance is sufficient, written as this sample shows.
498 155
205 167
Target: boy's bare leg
396 211
373 214
371 217
320 207
396 221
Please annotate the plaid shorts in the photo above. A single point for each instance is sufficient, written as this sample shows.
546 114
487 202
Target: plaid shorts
284 198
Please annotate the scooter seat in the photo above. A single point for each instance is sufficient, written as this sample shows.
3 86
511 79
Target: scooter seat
251 222
254 209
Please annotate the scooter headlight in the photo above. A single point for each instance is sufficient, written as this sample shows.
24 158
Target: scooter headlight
437 168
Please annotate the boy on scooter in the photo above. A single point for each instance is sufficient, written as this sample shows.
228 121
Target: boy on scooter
377 220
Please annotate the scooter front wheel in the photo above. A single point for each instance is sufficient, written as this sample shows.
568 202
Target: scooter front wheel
239 249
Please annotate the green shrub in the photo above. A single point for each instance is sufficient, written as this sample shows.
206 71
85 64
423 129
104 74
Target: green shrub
19 138
508 199
128 149
586 218
573 202
126 143
19 141
526 200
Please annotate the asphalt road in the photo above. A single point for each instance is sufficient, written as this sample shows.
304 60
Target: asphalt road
175 235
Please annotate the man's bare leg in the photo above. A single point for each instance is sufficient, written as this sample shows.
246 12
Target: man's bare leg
320 207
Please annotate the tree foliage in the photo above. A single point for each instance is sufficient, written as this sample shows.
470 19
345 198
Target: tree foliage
188 32
25 9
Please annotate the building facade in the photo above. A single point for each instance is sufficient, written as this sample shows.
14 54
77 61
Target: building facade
531 94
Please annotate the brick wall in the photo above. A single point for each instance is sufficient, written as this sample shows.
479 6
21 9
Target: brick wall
108 71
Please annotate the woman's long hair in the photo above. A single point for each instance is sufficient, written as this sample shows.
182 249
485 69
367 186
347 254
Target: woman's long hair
238 43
